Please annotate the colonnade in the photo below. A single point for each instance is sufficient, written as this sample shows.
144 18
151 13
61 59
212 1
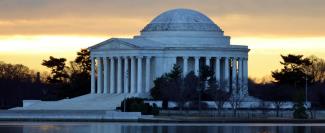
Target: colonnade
120 74
132 74
223 67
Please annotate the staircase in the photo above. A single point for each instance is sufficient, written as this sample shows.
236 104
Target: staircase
85 102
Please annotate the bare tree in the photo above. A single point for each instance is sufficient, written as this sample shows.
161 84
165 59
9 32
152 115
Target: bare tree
278 105
235 101
220 98
316 69
264 106
217 94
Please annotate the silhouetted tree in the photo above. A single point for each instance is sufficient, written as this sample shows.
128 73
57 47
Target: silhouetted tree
292 72
58 69
80 74
277 97
17 82
217 94
299 110
191 82
83 60
168 86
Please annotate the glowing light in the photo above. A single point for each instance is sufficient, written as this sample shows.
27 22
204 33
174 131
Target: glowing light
264 56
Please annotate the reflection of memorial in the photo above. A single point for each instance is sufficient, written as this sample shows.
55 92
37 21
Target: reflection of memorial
168 128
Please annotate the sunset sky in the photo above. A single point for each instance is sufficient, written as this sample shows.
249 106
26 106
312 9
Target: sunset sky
32 30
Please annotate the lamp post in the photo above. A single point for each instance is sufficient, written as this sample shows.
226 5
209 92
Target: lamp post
199 89
124 104
203 85
306 91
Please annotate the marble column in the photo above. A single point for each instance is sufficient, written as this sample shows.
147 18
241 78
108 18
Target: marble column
240 75
100 75
105 74
139 79
196 65
112 76
119 75
226 71
148 73
93 78
207 61
132 74
217 71
245 70
234 74
126 75
185 66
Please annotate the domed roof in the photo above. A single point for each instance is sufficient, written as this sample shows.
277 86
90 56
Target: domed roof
181 20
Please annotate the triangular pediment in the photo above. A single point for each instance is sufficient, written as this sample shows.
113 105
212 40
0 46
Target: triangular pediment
113 44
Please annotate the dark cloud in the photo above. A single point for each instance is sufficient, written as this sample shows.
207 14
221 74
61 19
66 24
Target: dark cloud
99 16
139 8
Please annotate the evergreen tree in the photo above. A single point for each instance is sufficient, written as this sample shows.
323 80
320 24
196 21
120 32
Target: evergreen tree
58 69
292 72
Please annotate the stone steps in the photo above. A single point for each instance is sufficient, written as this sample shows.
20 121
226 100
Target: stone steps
85 102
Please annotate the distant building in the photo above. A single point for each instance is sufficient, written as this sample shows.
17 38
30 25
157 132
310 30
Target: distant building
181 36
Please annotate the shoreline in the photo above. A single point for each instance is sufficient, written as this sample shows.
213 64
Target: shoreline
109 116
232 121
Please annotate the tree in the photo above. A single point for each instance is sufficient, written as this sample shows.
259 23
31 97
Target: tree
159 85
217 94
277 97
18 82
83 60
175 86
299 110
58 69
316 69
264 107
206 73
69 81
157 91
215 91
80 73
191 82
292 72
169 87
235 101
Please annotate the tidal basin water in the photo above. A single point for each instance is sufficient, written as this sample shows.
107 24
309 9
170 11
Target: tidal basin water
90 127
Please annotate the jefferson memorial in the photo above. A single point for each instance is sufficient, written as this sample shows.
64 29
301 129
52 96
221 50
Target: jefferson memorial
127 67
181 36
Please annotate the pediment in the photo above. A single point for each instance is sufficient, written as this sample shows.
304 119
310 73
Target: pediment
113 44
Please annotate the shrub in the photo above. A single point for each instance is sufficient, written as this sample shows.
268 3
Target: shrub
195 105
135 104
299 110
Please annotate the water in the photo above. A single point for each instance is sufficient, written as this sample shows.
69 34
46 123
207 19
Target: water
89 127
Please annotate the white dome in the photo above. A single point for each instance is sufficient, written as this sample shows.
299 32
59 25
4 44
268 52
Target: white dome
181 20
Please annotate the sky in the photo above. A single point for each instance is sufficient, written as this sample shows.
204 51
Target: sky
33 30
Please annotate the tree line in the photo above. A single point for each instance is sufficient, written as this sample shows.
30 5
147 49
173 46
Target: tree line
173 86
299 78
65 80
71 79
297 74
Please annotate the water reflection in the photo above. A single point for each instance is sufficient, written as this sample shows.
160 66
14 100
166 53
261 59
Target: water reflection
157 128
